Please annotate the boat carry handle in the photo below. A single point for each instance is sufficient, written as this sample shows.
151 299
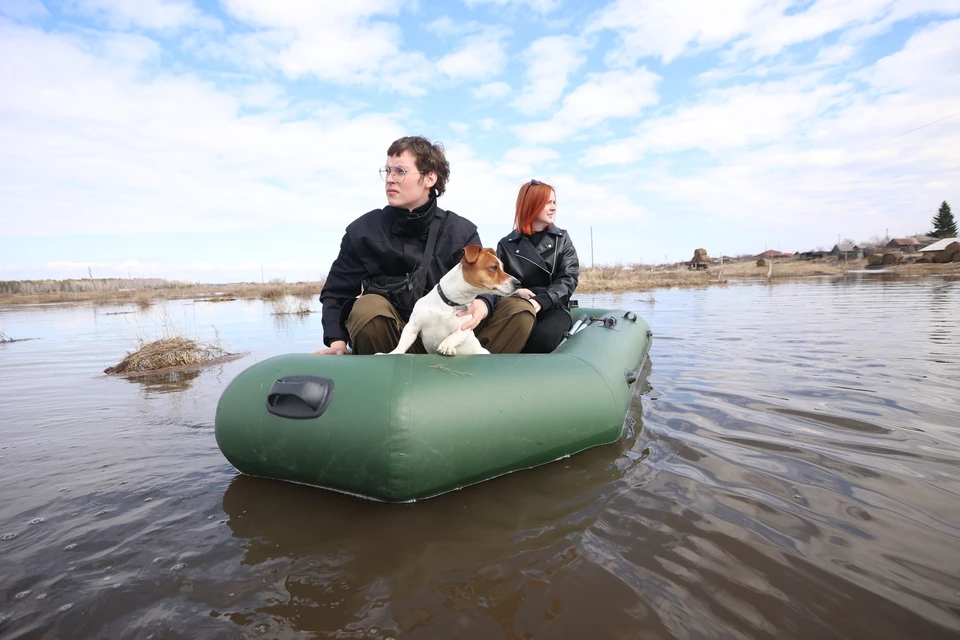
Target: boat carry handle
631 316
300 397
631 376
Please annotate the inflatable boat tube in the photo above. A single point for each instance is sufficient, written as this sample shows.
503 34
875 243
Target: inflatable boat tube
400 428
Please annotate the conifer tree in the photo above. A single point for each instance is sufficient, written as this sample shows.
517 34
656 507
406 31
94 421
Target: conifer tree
944 226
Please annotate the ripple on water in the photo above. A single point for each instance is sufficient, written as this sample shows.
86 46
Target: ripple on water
794 474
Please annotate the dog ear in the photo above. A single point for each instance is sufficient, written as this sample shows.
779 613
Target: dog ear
471 252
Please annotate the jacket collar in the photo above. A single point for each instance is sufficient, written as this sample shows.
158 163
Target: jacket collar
414 223
525 249
515 235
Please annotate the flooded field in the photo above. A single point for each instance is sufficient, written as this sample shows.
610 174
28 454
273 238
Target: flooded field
792 470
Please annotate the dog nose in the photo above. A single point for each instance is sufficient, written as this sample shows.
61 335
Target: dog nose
515 282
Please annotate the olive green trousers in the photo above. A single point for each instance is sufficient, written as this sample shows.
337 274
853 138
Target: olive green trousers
374 326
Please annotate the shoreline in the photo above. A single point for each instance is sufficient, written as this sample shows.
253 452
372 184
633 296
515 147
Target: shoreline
604 279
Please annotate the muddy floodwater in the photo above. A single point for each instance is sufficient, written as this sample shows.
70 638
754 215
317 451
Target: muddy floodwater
790 468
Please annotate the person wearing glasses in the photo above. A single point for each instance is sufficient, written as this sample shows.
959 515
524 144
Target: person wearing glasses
391 257
543 258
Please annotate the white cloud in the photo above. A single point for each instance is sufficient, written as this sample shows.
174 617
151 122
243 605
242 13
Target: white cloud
340 42
532 157
665 29
98 148
263 95
446 27
861 18
147 14
928 63
728 118
668 29
492 91
613 94
541 6
481 56
23 9
550 62
800 157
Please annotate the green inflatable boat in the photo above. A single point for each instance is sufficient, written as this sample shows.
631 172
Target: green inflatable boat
400 428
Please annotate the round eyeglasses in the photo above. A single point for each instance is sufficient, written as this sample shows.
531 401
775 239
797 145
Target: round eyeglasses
399 173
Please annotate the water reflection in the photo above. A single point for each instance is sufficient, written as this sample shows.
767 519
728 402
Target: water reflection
352 566
165 381
795 476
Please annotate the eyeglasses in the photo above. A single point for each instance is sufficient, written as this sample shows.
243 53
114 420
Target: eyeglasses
399 173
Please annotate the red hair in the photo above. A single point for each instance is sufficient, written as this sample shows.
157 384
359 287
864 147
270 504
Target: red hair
531 200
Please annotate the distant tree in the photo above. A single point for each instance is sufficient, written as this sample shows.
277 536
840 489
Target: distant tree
944 226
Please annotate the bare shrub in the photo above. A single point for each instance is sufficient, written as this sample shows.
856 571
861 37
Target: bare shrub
283 307
272 293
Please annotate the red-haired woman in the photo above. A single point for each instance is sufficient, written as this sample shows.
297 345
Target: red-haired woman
545 261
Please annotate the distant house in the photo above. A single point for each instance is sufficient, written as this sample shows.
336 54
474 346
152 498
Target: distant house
939 245
924 241
772 253
847 250
907 245
809 255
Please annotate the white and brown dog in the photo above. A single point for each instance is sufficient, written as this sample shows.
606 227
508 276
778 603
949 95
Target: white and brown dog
435 317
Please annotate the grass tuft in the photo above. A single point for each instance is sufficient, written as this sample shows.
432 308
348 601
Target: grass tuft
168 353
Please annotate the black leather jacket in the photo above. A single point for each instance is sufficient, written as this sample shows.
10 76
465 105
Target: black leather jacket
390 243
550 269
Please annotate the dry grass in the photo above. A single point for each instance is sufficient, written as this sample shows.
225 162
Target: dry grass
143 298
168 353
282 307
604 279
645 278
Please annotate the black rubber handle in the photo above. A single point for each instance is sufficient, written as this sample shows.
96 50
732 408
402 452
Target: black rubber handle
631 376
300 397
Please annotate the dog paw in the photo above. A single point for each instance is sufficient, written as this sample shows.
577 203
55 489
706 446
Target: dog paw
446 350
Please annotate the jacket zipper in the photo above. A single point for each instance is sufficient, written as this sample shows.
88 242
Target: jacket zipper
536 265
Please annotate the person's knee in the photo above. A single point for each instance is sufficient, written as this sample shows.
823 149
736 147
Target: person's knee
371 304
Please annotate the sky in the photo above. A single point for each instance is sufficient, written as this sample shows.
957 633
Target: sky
234 140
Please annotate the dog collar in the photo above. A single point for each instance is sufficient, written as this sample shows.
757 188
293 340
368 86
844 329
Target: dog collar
447 301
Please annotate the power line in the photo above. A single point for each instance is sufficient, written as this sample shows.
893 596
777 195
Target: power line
911 131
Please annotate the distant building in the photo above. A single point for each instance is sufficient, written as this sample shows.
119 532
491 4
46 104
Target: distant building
907 245
847 251
772 253
924 241
939 245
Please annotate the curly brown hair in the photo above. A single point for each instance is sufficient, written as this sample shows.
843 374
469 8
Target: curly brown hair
430 157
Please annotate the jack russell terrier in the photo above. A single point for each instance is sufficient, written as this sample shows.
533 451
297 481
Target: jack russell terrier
434 315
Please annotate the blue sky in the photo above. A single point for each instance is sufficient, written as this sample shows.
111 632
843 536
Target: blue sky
218 141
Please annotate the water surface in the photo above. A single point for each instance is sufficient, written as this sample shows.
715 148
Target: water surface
790 470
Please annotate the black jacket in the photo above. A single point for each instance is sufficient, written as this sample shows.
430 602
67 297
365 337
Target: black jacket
390 242
550 269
